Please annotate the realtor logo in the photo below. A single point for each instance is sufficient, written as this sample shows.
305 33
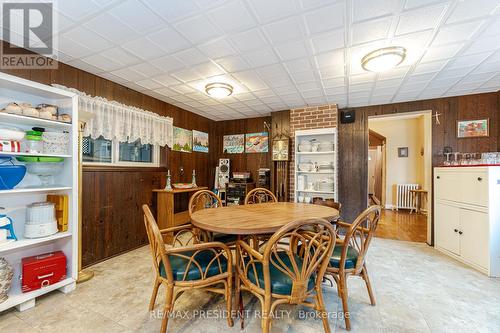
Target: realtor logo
27 29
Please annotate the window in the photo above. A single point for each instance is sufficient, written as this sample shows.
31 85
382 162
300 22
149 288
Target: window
101 151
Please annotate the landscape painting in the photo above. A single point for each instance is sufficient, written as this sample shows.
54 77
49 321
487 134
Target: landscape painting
183 140
200 141
472 128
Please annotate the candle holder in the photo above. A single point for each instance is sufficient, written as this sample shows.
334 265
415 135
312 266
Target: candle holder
193 179
168 187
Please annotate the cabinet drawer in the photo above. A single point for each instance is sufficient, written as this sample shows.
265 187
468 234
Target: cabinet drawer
474 188
447 186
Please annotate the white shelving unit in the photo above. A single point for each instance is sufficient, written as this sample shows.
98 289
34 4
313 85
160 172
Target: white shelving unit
29 190
321 134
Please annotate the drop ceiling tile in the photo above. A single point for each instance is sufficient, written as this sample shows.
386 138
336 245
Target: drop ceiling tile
261 57
412 21
298 65
434 66
312 93
292 50
332 58
136 16
102 62
363 87
331 72
143 49
321 20
362 78
73 48
493 67
251 80
187 75
284 30
336 91
111 29
328 41
264 93
231 17
485 44
271 10
442 52
456 33
166 80
167 63
92 40
76 10
190 57
233 64
374 8
454 73
128 74
149 84
278 81
145 68
335 82
169 40
395 73
197 29
271 70
478 78
120 56
208 69
388 83
284 90
370 31
84 66
468 9
217 49
175 10
425 77
249 40
301 77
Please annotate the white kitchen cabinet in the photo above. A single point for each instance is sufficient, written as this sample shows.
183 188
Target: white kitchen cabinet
467 215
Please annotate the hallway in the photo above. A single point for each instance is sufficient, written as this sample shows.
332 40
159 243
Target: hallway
401 225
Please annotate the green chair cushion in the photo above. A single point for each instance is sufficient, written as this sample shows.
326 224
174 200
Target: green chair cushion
280 282
203 258
350 262
225 238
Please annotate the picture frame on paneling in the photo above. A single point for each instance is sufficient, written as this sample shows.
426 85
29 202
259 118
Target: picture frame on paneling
200 141
403 152
183 140
233 144
257 142
473 128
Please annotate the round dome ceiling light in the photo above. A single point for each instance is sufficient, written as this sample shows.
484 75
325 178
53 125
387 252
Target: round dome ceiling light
218 89
383 59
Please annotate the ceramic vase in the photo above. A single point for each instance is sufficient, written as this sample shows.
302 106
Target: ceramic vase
6 274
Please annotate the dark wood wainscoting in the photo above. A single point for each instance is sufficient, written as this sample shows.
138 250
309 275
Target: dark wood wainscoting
353 139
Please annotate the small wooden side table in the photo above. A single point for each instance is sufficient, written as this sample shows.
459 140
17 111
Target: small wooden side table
165 213
417 196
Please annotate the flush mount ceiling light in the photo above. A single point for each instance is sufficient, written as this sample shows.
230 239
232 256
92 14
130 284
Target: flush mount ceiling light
219 89
383 59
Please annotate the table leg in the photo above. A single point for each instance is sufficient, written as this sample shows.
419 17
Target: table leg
238 297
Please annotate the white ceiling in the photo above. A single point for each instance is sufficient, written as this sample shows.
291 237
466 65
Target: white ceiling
282 54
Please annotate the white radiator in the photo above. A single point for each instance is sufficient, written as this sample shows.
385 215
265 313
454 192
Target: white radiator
404 199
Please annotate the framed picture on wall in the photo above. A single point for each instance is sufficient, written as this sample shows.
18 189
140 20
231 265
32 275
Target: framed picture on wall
403 152
473 128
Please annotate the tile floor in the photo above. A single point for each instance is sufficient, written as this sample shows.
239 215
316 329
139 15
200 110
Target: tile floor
417 290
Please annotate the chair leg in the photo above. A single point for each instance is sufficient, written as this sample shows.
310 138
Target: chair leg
368 285
229 301
321 308
343 295
168 308
155 293
266 316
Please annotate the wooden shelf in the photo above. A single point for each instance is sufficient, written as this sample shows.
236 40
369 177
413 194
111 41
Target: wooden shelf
315 191
27 242
20 298
317 172
315 152
32 121
36 189
4 153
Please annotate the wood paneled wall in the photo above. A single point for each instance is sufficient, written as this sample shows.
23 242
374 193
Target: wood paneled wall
112 197
353 139
241 162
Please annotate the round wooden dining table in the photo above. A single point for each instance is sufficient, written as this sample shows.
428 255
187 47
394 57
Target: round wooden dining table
264 218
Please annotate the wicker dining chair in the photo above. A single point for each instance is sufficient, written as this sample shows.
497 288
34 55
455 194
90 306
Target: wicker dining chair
348 258
292 274
187 266
330 203
260 195
205 199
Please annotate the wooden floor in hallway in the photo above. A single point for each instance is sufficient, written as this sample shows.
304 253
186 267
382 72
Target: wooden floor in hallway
401 225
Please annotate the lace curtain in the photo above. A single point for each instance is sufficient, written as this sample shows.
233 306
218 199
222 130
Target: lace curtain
116 121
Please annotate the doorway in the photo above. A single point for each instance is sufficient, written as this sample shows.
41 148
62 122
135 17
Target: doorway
400 174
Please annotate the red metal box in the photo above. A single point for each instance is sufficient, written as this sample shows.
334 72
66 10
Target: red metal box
43 270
